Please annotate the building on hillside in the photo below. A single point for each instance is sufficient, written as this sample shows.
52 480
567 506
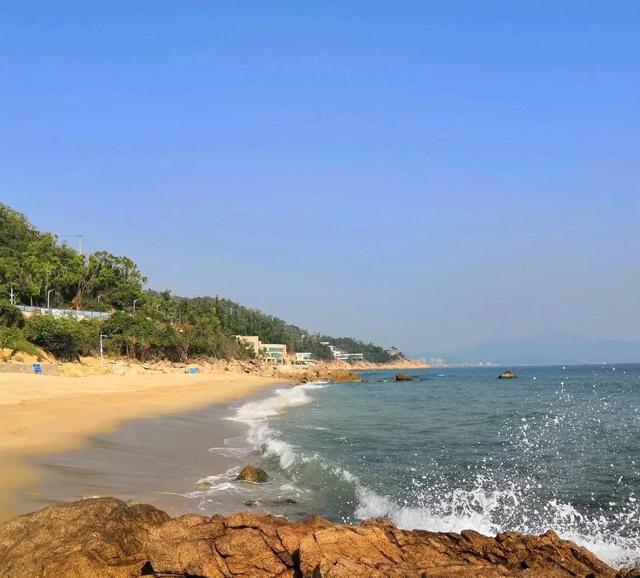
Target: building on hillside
352 357
274 352
251 341
304 358
343 355
270 352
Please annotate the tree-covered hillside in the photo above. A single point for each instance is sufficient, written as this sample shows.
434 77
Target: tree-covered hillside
38 269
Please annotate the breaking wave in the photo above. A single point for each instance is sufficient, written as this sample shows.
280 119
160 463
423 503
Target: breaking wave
488 501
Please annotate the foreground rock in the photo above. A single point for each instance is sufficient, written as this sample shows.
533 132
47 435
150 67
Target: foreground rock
105 538
253 474
403 377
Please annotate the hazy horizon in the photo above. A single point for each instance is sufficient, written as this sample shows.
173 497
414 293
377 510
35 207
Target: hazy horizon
433 177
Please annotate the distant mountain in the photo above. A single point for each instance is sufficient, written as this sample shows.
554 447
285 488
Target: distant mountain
550 350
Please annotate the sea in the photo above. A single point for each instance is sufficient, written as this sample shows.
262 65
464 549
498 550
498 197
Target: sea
455 448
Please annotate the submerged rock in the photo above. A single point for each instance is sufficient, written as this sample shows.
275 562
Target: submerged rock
253 474
105 538
508 375
283 502
344 377
403 377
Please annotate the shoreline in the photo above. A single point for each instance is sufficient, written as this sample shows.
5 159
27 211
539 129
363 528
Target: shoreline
57 414
54 414
174 461
168 425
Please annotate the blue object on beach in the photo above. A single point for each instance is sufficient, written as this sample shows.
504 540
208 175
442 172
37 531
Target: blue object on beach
194 370
37 368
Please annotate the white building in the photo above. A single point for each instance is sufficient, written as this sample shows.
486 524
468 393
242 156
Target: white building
274 352
343 355
304 358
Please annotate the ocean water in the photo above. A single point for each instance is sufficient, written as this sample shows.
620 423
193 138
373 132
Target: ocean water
558 448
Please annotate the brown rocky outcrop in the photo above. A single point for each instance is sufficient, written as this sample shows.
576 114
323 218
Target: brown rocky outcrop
321 374
403 377
106 538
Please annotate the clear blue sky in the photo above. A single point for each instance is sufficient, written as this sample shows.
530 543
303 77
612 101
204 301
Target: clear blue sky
424 174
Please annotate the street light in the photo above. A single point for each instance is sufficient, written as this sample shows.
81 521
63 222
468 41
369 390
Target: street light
101 349
134 304
48 296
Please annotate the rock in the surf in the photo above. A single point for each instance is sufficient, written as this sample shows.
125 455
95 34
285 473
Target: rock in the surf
403 377
284 502
507 375
253 474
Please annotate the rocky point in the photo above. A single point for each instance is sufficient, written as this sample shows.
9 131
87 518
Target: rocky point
106 538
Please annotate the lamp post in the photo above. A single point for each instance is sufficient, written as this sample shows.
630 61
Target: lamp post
101 349
49 296
134 304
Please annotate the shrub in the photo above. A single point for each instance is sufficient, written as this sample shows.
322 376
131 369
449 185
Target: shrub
10 315
61 336
13 338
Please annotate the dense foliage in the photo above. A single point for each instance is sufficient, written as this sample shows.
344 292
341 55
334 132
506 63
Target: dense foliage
64 337
144 324
35 265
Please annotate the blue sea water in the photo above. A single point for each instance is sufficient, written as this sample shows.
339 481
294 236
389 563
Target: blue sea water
557 448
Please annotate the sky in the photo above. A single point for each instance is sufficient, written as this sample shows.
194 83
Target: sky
430 175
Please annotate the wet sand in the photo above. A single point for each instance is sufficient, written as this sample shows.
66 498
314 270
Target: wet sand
44 416
152 460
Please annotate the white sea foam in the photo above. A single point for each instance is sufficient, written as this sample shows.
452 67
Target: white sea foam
216 480
480 510
283 399
215 483
256 414
484 504
230 452
259 437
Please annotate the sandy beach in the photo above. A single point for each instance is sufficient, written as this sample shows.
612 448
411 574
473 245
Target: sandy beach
48 414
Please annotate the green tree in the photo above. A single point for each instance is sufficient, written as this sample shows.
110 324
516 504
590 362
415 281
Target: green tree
116 280
10 315
32 263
